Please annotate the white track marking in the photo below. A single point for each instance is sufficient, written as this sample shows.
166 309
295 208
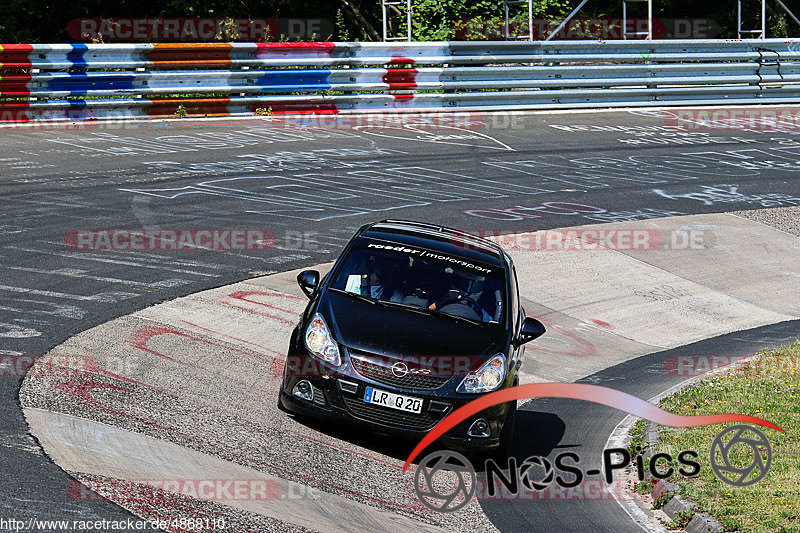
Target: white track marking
109 297
79 273
139 264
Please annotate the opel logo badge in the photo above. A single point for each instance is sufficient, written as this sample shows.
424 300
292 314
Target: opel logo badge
399 369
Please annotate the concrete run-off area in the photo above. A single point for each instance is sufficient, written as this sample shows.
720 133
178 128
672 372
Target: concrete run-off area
187 389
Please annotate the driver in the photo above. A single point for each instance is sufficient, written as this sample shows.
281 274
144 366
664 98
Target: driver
465 288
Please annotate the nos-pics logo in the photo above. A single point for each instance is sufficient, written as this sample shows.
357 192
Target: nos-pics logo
446 481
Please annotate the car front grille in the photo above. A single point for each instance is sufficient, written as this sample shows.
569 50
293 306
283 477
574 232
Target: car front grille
391 417
369 367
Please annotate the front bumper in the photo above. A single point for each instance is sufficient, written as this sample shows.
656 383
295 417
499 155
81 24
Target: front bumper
339 395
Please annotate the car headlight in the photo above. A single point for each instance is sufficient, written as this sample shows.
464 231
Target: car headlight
320 343
487 378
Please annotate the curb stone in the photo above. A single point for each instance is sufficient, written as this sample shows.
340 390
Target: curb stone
649 438
678 505
661 487
703 523
700 522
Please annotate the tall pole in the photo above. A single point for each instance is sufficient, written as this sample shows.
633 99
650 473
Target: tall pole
383 10
505 5
624 20
530 20
408 17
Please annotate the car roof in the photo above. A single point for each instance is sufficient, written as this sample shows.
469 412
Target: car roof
438 238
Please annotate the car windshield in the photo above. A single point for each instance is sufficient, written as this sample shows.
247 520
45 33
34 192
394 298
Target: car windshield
425 279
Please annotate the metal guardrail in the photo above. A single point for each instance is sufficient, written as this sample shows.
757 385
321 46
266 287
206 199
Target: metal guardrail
78 81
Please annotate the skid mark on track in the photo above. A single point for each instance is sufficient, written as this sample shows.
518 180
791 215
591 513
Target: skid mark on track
243 295
277 362
78 380
141 339
237 339
81 391
573 344
253 311
247 296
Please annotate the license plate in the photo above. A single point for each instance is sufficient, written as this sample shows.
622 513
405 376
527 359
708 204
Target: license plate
393 401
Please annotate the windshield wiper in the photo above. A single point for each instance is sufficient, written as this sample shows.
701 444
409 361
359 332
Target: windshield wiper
412 308
461 318
433 312
354 295
409 307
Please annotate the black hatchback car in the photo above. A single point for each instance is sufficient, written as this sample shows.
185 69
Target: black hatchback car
412 322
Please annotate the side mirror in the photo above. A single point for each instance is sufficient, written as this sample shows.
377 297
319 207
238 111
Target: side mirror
308 281
531 329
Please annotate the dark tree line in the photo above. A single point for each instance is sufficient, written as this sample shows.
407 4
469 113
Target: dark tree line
42 21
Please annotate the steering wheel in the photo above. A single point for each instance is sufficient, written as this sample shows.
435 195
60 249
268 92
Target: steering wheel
419 292
456 297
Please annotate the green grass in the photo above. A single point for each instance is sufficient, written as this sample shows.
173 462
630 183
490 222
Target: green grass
769 388
637 435
181 112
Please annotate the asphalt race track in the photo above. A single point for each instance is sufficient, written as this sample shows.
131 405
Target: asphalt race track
552 426
311 184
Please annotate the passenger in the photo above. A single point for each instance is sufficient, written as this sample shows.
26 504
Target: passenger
380 288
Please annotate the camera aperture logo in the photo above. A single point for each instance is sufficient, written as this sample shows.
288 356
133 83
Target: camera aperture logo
445 481
748 442
740 455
